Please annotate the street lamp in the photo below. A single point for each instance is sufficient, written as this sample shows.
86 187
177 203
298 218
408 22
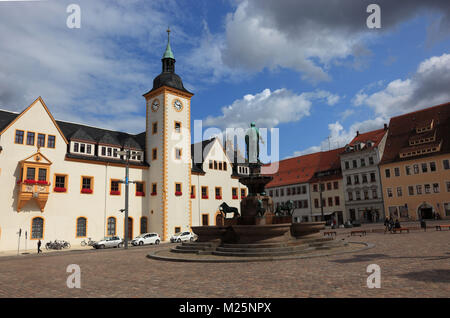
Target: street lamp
126 154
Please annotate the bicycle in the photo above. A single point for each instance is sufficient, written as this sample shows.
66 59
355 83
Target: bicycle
89 243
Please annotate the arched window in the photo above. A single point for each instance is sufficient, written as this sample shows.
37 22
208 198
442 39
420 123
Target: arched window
81 227
37 228
111 226
143 224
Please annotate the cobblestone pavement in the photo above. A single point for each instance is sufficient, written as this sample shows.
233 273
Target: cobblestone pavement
412 265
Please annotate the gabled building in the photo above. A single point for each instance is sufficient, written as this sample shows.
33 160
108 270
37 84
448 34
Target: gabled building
415 168
361 176
326 188
291 182
62 180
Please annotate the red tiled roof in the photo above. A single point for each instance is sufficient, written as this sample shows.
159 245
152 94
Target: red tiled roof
375 136
295 170
301 169
402 128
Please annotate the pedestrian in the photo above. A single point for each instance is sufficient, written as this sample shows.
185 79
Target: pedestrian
39 246
397 224
386 224
391 224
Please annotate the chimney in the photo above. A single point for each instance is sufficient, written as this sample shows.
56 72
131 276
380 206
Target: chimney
357 133
385 126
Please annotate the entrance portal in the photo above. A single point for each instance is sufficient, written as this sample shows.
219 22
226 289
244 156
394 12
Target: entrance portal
426 211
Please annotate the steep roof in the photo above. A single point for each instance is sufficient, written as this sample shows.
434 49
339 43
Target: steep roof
375 136
197 158
6 117
402 129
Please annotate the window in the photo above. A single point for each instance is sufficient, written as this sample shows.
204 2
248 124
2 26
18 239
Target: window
243 193
419 189
220 165
315 188
154 153
109 151
144 225
192 191
178 189
177 127
336 185
432 166
234 193
416 168
178 153
355 164
389 192
349 180
411 190
447 209
211 164
177 229
448 186
81 227
337 201
204 192
427 188
350 196
358 195
154 128
276 192
374 194
366 195
115 187
19 137
87 184
42 174
387 173
205 219
111 226
329 186
140 192
41 140
347 165
322 187
153 189
31 173
364 178
446 164
363 162
88 149
397 172
76 147
225 166
37 228
288 191
215 165
60 183
316 203
330 201
399 191
356 178
424 167
371 160
408 170
281 192
30 138
51 141
82 148
436 187
372 177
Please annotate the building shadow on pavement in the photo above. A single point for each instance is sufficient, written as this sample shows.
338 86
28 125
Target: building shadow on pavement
371 257
432 275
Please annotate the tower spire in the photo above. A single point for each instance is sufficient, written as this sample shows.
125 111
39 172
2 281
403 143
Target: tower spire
168 53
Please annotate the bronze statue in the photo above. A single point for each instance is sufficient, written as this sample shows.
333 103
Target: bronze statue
252 144
225 208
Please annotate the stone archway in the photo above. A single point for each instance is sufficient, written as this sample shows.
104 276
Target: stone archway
425 211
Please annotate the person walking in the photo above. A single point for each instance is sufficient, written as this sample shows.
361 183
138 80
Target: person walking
39 246
386 224
391 224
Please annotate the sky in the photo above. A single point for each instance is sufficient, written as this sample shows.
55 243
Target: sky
311 69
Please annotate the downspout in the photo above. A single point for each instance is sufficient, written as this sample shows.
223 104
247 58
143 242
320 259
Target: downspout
104 210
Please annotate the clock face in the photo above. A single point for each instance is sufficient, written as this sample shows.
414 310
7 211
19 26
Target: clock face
155 105
178 105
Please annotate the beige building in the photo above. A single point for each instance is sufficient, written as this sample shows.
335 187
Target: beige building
62 180
415 169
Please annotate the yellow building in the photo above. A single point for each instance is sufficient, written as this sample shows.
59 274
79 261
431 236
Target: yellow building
415 168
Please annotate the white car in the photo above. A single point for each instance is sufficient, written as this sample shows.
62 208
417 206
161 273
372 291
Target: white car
113 241
183 237
146 238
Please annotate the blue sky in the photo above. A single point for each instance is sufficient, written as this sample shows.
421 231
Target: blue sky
312 69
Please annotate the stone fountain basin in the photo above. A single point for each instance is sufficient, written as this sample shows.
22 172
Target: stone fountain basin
306 229
209 233
262 233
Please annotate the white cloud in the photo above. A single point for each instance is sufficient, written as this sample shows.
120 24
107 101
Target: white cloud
269 109
428 86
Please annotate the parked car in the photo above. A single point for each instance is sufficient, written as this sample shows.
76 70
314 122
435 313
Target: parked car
107 242
146 238
183 236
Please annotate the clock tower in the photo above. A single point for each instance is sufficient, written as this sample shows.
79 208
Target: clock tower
168 150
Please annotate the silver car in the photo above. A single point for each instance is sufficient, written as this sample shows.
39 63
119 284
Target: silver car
107 242
146 238
183 237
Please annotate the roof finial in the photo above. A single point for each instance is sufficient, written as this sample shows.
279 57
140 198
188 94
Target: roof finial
168 53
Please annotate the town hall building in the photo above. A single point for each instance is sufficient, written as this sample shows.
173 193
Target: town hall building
62 180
